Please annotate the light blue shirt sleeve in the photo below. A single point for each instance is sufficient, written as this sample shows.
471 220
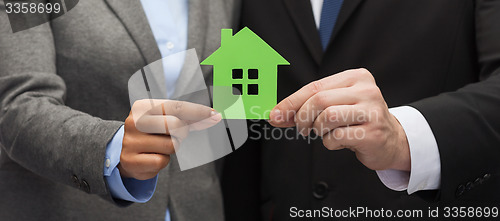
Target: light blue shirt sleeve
138 191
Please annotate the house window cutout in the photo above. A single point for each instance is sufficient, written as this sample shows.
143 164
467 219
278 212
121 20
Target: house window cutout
245 50
253 73
237 73
253 89
237 89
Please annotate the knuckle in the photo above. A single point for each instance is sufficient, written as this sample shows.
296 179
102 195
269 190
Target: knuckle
168 144
158 162
124 160
375 91
178 106
328 144
316 86
331 114
129 121
321 99
350 77
128 164
163 162
377 134
370 91
360 74
364 73
127 144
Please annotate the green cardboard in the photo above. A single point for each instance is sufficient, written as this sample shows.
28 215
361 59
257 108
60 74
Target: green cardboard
247 63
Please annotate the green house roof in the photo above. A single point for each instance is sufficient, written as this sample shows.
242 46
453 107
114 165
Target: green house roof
245 47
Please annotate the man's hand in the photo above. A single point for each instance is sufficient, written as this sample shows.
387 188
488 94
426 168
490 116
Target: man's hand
348 111
152 130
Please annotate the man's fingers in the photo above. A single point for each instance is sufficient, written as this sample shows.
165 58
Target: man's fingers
283 113
344 137
322 100
339 116
292 103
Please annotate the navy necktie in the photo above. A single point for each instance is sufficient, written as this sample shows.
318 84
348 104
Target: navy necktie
329 14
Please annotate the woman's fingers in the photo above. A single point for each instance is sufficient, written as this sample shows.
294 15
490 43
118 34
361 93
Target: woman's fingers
176 118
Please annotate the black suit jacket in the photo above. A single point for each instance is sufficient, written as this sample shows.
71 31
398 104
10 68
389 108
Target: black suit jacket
441 57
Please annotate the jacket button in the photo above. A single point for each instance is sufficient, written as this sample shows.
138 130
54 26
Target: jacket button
76 181
460 190
486 176
478 181
469 186
320 190
85 186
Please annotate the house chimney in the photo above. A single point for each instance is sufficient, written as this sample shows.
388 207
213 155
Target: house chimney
226 35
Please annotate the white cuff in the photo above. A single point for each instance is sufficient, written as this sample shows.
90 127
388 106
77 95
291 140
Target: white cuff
425 161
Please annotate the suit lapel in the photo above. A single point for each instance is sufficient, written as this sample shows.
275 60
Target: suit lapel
131 14
197 25
348 7
302 15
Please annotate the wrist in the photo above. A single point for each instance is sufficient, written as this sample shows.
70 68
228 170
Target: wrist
402 157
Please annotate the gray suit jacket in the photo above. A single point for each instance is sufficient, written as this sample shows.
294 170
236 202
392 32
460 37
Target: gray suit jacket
63 95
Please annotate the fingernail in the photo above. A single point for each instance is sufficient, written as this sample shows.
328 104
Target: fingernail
215 115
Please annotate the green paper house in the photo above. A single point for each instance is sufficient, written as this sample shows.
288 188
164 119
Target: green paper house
245 75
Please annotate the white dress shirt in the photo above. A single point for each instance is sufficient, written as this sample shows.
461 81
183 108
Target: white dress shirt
424 153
